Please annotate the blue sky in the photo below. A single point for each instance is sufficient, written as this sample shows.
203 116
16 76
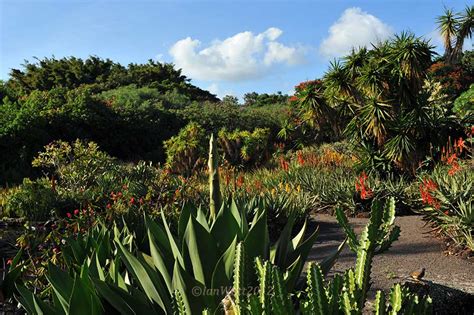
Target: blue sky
228 47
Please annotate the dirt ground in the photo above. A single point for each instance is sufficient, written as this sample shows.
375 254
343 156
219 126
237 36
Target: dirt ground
416 248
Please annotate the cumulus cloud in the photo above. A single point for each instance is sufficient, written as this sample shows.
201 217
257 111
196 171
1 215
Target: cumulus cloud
355 28
239 57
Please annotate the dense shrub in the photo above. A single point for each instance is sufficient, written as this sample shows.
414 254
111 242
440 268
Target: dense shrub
259 100
215 116
464 104
130 131
245 148
80 176
33 200
455 78
72 72
185 151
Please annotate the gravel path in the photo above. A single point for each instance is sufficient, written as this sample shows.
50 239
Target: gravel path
414 249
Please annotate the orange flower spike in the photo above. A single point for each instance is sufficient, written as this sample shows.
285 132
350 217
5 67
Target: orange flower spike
460 144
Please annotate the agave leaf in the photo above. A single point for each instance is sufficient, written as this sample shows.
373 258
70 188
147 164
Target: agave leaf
34 305
296 241
159 260
293 273
62 285
302 250
201 219
115 275
118 302
279 251
14 272
140 275
187 210
257 241
172 244
222 274
201 250
225 227
83 299
95 269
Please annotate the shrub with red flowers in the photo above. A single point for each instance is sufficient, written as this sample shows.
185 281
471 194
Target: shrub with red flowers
448 194
454 78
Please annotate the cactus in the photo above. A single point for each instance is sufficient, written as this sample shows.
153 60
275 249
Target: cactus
379 303
344 294
214 184
316 291
239 276
281 301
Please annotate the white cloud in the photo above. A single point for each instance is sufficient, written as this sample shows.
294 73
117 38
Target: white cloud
215 89
355 28
239 57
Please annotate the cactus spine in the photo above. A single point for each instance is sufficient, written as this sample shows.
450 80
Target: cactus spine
214 185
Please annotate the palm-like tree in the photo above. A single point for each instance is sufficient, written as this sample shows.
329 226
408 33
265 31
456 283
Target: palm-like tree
411 58
466 24
455 28
382 88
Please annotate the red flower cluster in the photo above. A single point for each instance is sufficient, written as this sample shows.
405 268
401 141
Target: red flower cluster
284 164
427 187
307 84
362 187
240 181
451 154
293 98
300 158
76 212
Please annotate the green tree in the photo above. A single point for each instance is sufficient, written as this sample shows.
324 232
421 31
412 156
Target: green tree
455 29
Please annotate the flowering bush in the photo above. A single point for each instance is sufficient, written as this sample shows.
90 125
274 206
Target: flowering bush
449 202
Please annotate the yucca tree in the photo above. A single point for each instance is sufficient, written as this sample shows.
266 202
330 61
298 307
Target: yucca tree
454 29
381 88
339 82
447 26
410 57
